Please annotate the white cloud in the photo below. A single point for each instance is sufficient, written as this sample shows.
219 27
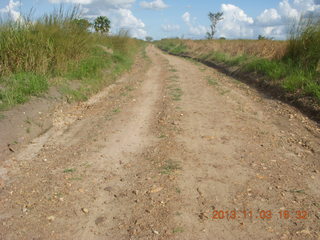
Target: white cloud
118 11
272 22
101 4
11 10
123 18
156 5
198 30
170 27
72 1
287 10
269 16
194 29
235 24
186 17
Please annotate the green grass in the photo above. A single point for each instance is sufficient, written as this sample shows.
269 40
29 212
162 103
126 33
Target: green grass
38 50
274 70
69 170
176 93
17 88
211 81
297 72
117 110
178 230
169 167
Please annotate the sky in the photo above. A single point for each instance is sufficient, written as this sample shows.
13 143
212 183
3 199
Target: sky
181 18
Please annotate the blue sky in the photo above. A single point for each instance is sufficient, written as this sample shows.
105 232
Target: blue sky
182 18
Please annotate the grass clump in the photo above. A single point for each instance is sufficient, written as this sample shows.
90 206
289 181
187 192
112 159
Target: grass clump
34 51
169 167
17 88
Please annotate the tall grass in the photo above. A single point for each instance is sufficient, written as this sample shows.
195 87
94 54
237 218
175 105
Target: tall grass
42 46
34 51
294 65
304 43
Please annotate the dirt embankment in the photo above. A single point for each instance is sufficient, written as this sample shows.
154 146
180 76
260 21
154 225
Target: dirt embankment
160 155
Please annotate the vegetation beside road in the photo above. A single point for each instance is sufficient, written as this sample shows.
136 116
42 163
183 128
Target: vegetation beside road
292 65
56 49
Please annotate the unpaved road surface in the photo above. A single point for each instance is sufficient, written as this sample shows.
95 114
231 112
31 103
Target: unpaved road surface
173 150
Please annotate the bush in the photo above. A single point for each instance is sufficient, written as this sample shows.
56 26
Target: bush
304 43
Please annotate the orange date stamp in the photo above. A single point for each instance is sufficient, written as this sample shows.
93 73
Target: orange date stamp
260 214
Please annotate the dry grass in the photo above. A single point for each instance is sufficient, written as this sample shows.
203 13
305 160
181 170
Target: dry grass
266 49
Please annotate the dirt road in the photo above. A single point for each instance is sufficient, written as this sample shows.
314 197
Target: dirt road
173 150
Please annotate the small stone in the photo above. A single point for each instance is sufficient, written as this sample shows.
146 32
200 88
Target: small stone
85 210
155 232
51 218
99 220
313 177
155 190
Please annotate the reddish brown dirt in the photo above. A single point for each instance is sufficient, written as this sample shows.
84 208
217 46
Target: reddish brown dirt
154 155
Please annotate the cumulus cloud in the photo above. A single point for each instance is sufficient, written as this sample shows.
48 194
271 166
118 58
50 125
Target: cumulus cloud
170 27
11 10
269 16
155 5
273 22
102 4
118 11
124 19
186 17
236 23
72 1
194 29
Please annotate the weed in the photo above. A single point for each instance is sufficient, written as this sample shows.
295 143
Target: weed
169 167
223 91
178 230
69 170
28 130
176 94
211 81
117 110
129 88
76 179
162 136
297 191
28 121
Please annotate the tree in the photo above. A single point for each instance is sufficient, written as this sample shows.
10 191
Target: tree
214 19
102 24
149 39
82 24
261 37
